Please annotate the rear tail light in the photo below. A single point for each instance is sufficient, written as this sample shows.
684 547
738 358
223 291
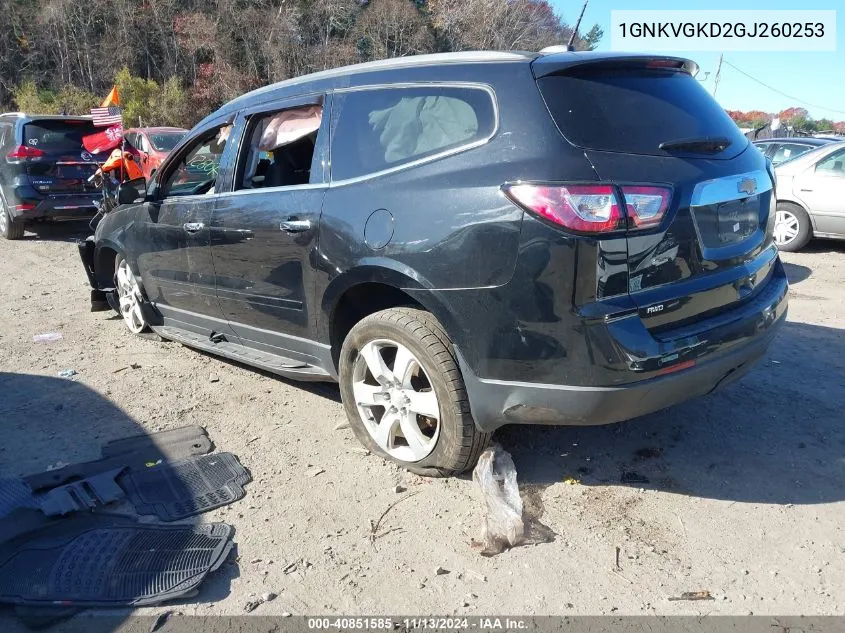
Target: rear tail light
581 208
26 206
22 152
646 205
594 209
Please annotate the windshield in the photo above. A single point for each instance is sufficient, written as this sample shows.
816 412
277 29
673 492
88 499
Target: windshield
635 110
165 141
58 135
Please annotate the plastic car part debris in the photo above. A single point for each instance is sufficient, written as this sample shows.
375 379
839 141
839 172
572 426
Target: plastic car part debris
87 494
48 337
503 527
693 595
133 453
107 561
67 373
177 490
157 440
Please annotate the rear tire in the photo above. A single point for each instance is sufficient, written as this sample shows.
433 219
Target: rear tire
383 412
792 227
10 228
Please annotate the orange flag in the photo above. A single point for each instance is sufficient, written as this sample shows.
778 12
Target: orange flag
112 99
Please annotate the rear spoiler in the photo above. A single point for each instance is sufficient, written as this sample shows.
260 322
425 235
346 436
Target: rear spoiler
561 62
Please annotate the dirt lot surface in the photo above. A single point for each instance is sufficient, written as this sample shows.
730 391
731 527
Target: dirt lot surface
745 495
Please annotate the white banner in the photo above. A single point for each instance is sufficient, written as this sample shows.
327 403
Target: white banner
722 31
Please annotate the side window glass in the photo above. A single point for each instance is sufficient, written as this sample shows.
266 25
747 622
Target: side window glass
196 173
833 165
279 149
387 127
787 151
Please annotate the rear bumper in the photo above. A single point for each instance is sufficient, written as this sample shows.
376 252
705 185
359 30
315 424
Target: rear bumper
57 207
722 354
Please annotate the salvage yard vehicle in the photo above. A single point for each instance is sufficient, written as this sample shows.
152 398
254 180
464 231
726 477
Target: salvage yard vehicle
780 150
463 241
151 145
44 170
811 198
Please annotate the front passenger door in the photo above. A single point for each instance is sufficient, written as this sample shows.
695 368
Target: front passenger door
175 255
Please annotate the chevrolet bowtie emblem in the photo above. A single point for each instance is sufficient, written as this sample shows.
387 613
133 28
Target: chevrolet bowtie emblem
747 186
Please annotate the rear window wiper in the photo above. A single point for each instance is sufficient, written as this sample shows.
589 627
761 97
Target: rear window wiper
700 145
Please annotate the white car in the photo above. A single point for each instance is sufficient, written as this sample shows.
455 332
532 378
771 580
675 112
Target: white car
811 197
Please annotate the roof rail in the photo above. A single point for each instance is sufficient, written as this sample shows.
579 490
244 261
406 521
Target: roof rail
16 114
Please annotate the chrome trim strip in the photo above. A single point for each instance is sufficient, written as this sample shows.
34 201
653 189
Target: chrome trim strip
241 192
728 188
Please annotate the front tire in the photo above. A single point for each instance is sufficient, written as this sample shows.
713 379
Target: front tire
10 228
404 395
792 227
129 296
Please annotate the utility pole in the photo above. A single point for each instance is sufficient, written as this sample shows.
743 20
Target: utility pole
718 74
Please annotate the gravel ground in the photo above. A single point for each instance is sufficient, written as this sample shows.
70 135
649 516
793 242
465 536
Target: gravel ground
744 496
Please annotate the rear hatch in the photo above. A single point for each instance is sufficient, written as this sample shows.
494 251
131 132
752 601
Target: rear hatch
649 128
57 161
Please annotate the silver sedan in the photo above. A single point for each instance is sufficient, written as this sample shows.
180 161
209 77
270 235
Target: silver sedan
811 197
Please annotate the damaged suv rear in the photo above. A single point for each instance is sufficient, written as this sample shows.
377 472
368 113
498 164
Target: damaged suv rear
464 241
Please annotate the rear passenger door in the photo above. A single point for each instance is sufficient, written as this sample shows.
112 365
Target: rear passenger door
264 231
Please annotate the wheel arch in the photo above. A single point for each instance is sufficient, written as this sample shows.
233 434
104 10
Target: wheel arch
369 289
802 206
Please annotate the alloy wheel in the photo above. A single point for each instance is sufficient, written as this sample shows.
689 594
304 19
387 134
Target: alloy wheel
396 400
129 295
787 227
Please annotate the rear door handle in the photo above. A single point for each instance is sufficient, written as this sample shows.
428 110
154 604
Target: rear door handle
193 227
295 226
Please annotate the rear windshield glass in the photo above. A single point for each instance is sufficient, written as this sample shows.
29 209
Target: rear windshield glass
57 135
166 141
635 110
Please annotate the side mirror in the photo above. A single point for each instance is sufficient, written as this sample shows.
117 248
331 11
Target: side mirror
132 191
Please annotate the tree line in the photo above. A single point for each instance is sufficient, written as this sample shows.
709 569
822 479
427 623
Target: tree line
177 60
797 118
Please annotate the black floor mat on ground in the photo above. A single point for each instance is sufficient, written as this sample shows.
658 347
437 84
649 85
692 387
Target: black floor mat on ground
107 561
191 486
15 494
134 453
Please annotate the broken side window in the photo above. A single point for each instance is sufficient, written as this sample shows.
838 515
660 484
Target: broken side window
280 148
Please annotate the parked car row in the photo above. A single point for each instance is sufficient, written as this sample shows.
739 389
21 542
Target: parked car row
462 241
779 150
45 170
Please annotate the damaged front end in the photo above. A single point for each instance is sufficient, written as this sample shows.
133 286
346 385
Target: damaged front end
102 299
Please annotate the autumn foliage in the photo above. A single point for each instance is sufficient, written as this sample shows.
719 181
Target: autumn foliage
796 117
63 55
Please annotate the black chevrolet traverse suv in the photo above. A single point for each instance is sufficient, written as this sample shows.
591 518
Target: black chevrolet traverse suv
463 241
44 170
